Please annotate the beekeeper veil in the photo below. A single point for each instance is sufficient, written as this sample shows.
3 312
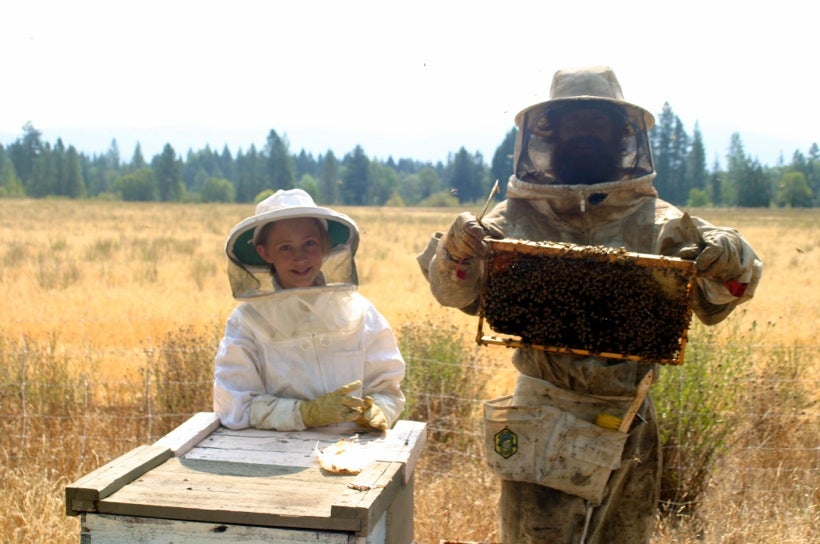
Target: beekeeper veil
595 87
250 276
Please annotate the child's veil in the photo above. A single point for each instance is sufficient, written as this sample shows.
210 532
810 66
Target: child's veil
250 276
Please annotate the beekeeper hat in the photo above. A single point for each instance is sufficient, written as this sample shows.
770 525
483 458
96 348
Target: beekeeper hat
287 204
589 84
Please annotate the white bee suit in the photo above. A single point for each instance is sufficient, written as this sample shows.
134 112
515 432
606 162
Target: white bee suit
300 344
283 346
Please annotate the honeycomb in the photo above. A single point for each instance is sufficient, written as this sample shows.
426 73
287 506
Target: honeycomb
590 300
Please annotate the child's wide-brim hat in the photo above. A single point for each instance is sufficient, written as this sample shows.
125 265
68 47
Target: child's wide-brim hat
287 204
590 84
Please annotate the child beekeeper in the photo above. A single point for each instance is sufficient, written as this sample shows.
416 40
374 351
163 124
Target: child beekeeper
303 348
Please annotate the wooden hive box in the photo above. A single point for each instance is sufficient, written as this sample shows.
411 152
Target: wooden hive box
587 300
206 483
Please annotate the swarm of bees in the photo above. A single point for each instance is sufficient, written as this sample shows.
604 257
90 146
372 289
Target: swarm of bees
588 299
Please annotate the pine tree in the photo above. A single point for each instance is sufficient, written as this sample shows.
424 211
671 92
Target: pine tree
813 172
329 179
678 158
355 179
168 175
10 184
696 171
250 175
24 153
661 138
738 169
752 186
227 164
74 181
43 181
60 181
281 171
305 164
465 175
501 167
112 156
137 160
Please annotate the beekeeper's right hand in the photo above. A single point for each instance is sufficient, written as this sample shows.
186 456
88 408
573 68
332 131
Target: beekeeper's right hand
465 238
334 407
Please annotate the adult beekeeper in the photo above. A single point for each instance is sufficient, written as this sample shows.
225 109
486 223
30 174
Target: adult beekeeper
303 348
583 174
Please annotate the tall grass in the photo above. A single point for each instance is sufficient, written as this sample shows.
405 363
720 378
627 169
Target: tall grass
717 404
178 379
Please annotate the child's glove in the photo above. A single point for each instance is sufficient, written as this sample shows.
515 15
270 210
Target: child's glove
334 407
372 416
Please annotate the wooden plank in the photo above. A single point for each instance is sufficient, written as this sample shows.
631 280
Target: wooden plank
305 498
368 506
107 529
413 436
246 453
599 253
404 443
184 437
84 494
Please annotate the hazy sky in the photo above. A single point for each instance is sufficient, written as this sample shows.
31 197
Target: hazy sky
413 79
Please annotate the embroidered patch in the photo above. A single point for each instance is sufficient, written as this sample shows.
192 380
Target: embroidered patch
506 443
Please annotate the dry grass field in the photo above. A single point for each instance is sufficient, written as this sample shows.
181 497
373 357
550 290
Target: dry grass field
98 286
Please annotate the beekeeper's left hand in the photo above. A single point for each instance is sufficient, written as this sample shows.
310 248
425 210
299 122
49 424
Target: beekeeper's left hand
721 257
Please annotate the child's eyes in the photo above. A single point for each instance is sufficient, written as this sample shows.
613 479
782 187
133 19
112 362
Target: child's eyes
289 248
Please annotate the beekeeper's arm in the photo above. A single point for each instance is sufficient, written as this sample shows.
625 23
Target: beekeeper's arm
452 263
728 270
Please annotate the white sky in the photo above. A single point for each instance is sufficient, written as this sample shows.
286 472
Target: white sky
413 79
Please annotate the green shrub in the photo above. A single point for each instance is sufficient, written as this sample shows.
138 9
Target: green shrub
698 406
442 382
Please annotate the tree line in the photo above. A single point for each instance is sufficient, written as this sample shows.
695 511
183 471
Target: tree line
30 167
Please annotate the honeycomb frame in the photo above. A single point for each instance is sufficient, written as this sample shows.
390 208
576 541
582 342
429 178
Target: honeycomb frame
586 300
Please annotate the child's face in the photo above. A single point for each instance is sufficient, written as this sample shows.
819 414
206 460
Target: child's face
295 248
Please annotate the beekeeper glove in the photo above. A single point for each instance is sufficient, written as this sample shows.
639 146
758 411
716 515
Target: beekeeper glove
334 407
373 416
465 238
721 256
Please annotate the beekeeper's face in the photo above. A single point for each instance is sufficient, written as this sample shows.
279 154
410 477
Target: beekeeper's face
588 146
295 248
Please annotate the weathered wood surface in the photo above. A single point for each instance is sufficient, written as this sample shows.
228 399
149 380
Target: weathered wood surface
190 433
106 529
84 494
274 497
258 478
